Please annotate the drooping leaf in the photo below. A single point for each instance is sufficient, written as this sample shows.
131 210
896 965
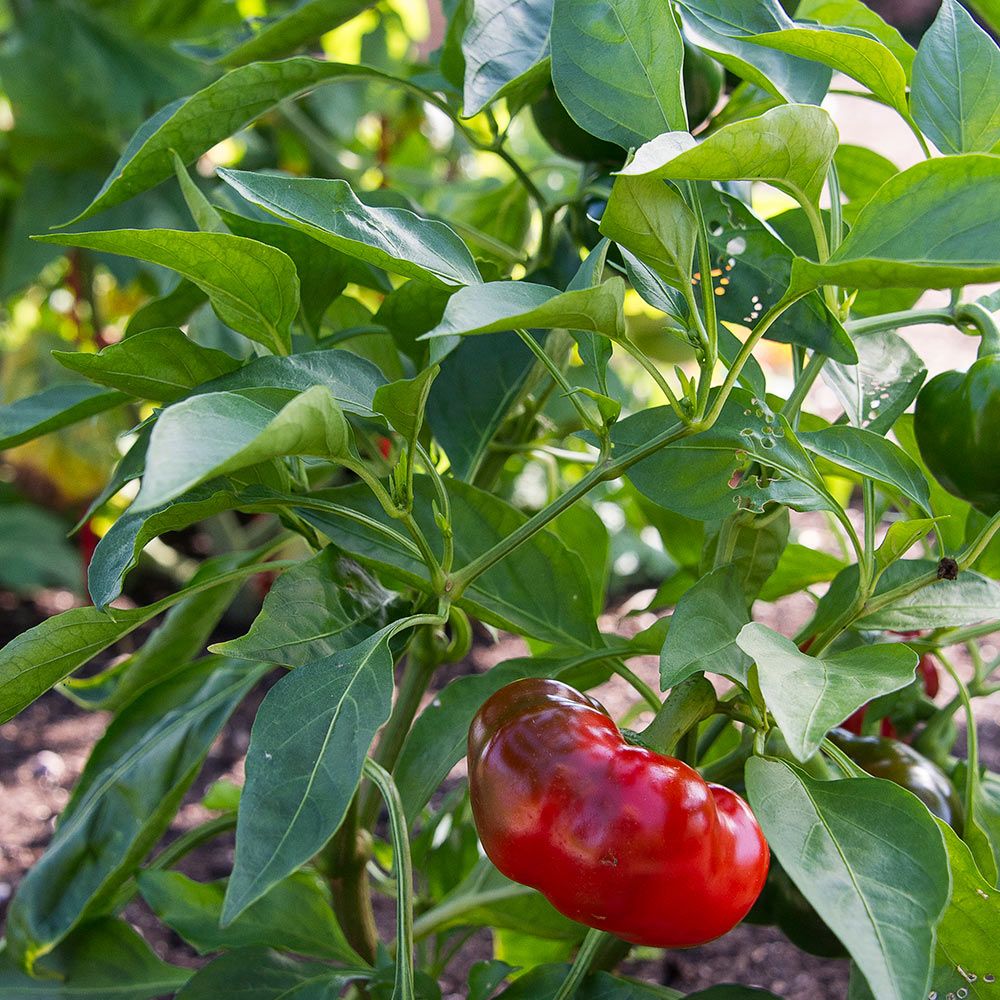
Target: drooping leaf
849 52
218 432
900 537
871 455
282 35
125 798
870 859
193 125
703 631
934 225
858 15
616 66
810 695
312 611
956 84
504 305
798 568
883 383
790 147
594 349
295 915
159 364
757 546
506 41
104 958
541 589
252 287
307 747
721 26
393 238
52 409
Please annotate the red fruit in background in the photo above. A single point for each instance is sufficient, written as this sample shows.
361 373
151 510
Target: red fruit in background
615 836
929 672
385 447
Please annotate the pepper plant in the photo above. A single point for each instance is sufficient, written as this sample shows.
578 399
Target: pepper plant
400 350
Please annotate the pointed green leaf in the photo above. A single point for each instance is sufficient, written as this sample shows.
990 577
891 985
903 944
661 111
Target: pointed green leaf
870 859
900 537
616 67
703 631
956 84
506 305
934 225
307 747
205 216
161 365
49 410
402 403
505 41
219 432
855 55
800 567
295 915
810 695
124 801
252 287
313 610
790 147
330 212
105 958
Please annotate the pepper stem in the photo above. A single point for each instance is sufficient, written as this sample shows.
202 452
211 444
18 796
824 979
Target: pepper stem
689 702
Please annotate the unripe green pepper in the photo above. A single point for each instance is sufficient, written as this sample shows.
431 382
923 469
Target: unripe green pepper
900 763
956 423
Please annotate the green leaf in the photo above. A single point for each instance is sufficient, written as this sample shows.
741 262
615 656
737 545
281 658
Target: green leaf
789 146
757 548
42 656
307 747
798 568
861 172
583 532
505 305
124 801
479 383
402 403
595 350
870 455
437 740
809 695
205 216
352 380
692 476
34 551
969 599
650 218
219 432
849 52
720 27
304 22
295 915
935 225
757 268
193 125
252 287
900 537
393 238
52 409
105 958
616 67
966 956
541 589
171 309
956 84
314 610
703 631
505 42
870 859
883 383
262 974
161 365
855 14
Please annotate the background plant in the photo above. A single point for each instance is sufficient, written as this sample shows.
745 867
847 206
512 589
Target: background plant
389 346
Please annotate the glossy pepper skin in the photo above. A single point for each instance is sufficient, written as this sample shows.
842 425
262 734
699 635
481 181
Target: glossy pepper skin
900 763
615 836
956 423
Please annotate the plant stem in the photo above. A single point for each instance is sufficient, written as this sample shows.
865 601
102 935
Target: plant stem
656 375
689 703
557 376
971 753
892 321
403 870
345 861
707 285
581 965
802 386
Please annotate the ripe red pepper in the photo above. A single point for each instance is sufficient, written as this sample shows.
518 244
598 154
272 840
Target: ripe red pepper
615 836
